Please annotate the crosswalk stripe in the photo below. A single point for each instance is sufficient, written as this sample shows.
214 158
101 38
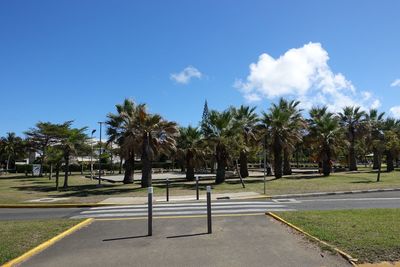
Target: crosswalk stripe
155 208
185 204
129 214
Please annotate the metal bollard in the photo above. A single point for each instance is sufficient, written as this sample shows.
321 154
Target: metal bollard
197 187
150 211
209 223
167 189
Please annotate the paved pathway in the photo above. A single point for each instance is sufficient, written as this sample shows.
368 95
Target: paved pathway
235 241
183 209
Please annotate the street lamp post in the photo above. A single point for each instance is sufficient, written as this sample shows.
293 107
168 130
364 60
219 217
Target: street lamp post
265 164
101 124
91 155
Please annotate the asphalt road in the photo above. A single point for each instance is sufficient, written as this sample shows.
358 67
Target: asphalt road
235 241
331 202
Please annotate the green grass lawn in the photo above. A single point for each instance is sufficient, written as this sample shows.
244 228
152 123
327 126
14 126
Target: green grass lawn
17 237
371 235
18 189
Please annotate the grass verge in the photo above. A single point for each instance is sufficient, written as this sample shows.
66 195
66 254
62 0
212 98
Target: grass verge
17 237
371 235
18 189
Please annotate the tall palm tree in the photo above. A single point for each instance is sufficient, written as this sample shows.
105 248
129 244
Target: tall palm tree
391 133
157 136
220 135
12 147
71 141
283 123
297 126
352 119
191 146
246 120
325 136
123 130
374 121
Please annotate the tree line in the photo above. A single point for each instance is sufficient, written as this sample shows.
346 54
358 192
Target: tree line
223 140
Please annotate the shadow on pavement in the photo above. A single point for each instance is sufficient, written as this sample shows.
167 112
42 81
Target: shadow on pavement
122 238
188 235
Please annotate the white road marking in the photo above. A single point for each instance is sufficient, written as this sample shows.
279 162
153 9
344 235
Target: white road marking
203 207
184 205
349 199
130 214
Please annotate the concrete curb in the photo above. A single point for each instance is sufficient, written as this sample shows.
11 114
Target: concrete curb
47 244
345 255
316 194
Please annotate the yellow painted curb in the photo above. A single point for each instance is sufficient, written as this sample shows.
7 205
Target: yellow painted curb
342 253
181 217
46 244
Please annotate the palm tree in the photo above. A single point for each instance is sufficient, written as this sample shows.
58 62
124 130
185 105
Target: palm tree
283 123
123 130
325 136
391 130
71 141
190 144
220 134
297 126
352 119
245 119
12 147
55 157
157 136
374 121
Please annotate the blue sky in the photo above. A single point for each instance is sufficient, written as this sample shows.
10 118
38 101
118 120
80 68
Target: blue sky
74 60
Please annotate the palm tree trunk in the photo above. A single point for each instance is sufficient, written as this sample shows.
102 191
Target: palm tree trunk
287 169
146 162
352 158
51 171
120 165
221 157
277 158
326 163
244 172
189 165
212 165
66 171
389 162
57 174
375 159
8 162
129 170
41 164
378 177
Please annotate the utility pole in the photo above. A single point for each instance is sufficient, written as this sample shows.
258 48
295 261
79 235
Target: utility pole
91 154
101 124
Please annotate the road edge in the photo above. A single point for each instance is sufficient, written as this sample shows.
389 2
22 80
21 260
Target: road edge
317 194
345 255
47 243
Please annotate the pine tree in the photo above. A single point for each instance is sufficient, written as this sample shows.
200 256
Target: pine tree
205 121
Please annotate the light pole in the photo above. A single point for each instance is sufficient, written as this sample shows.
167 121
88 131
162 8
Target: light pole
265 163
91 155
101 124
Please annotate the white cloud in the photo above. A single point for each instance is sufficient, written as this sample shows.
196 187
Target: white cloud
395 111
395 83
186 75
302 73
